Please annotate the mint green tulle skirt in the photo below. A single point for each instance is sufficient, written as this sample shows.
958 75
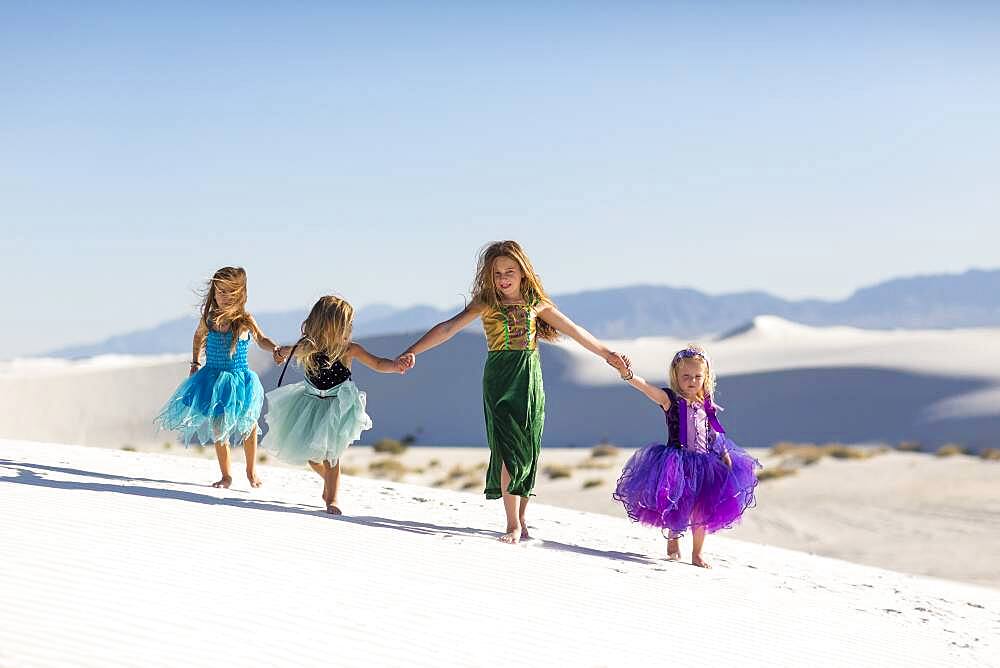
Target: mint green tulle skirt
308 424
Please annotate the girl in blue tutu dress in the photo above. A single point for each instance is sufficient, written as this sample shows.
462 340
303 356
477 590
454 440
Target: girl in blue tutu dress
314 421
699 478
220 402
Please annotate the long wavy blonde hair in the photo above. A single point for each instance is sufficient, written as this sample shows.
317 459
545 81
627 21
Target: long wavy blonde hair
231 282
326 331
484 288
694 353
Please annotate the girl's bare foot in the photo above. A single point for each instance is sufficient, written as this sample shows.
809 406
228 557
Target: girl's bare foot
673 549
699 562
333 509
254 480
524 532
512 536
223 482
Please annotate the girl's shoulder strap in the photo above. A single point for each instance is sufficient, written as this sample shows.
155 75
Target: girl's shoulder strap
287 361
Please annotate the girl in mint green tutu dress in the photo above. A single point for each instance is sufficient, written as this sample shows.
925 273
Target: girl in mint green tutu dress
314 421
221 401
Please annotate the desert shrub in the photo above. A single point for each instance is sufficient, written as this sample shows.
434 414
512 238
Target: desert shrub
592 482
469 484
785 447
556 471
773 472
167 445
990 454
128 448
593 463
262 458
434 463
838 451
389 446
458 471
949 450
604 450
909 446
387 468
349 470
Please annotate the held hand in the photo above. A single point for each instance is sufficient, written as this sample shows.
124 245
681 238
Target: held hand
618 361
280 354
399 366
407 361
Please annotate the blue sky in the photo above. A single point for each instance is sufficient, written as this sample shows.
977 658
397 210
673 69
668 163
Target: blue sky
796 148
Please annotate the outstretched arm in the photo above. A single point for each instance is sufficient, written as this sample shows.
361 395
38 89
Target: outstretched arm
655 394
380 364
200 333
441 332
268 344
550 314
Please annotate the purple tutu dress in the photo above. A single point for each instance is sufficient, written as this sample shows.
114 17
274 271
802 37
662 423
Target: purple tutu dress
684 483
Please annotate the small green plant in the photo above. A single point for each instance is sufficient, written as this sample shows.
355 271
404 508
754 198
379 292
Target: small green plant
128 448
262 458
592 482
990 454
434 463
167 445
469 484
349 470
389 446
949 450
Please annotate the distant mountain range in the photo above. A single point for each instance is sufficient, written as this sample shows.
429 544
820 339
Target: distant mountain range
970 299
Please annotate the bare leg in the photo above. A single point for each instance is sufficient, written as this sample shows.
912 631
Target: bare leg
673 547
510 503
320 469
523 506
332 486
250 451
222 454
698 534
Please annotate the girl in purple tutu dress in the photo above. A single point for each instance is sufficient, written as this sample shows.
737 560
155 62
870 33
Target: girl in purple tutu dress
699 478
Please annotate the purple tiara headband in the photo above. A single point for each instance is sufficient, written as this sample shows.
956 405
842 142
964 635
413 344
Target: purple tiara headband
689 353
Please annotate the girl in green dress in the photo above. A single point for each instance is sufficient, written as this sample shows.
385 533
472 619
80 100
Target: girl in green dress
508 297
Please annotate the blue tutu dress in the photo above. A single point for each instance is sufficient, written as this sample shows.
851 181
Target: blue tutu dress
221 402
317 418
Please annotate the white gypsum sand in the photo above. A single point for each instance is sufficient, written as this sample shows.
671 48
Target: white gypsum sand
119 559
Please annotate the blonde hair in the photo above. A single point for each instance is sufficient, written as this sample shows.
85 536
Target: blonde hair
695 353
231 281
484 288
325 332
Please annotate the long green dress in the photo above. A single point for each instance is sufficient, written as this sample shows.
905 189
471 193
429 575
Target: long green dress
513 398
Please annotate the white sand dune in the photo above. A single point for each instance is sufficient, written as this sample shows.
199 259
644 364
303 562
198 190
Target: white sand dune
112 558
772 344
